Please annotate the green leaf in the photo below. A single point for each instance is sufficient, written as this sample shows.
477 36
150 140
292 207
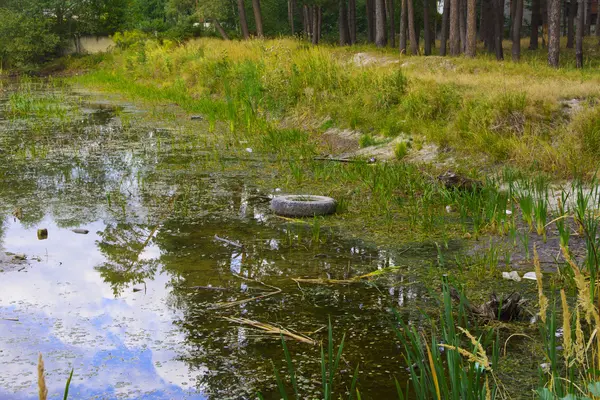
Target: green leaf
545 394
594 388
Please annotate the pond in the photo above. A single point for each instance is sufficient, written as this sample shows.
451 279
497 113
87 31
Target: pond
179 241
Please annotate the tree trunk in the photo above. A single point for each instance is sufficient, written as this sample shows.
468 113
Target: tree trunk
243 19
319 22
588 18
571 24
544 5
565 11
343 23
499 28
598 23
444 34
258 18
220 30
471 28
535 25
516 31
391 23
513 10
426 29
554 32
454 28
380 23
352 20
306 21
403 23
462 23
412 36
370 10
315 25
580 32
291 11
487 24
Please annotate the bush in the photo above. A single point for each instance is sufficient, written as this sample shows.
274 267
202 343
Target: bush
125 40
25 41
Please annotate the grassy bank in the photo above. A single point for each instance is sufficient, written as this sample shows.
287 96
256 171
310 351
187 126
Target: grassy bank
478 110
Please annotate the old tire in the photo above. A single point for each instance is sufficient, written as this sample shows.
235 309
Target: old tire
302 205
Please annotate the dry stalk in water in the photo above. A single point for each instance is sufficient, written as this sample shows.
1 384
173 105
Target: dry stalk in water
43 390
272 330
356 279
543 300
262 296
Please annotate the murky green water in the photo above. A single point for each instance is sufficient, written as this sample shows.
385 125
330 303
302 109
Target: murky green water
133 306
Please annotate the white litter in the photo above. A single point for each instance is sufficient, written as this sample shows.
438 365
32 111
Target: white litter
512 276
531 276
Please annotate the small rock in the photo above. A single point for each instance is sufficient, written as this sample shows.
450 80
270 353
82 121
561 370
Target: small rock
197 118
80 231
531 276
512 276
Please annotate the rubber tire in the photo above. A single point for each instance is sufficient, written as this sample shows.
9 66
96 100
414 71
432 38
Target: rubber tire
294 206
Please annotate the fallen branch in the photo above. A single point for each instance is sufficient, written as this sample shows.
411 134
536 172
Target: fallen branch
262 296
272 330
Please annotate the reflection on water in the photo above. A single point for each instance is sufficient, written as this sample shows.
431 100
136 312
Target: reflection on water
131 306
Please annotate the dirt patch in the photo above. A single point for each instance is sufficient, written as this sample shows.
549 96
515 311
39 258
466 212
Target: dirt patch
340 141
12 262
367 59
571 107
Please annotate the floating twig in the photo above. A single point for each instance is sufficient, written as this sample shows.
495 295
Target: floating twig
272 330
222 289
230 242
11 319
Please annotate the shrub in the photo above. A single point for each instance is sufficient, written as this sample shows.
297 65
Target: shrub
401 150
587 128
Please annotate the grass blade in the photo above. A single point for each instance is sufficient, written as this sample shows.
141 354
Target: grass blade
280 384
290 365
398 389
354 381
68 385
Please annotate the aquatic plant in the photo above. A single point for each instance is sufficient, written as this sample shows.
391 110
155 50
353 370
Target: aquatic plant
441 367
330 361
